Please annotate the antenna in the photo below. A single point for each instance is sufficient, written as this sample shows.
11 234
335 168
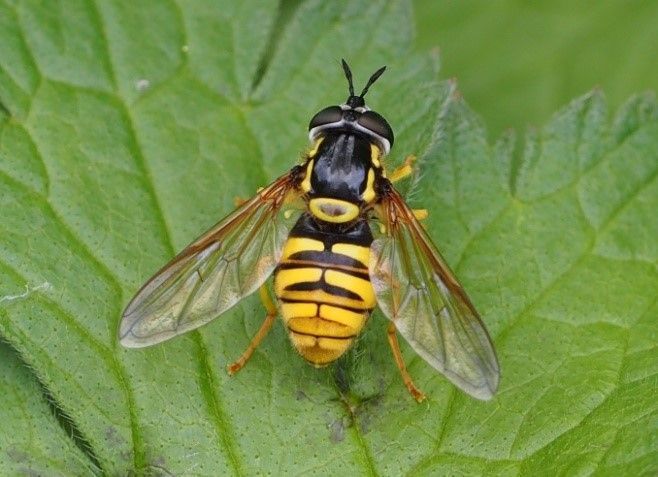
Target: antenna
375 76
358 101
348 75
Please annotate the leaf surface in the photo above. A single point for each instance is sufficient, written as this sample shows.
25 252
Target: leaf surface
129 129
516 63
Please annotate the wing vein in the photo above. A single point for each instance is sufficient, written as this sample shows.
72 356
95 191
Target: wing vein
416 290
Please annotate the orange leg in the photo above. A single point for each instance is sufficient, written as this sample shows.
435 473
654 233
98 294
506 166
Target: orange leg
405 170
260 334
239 201
420 214
397 355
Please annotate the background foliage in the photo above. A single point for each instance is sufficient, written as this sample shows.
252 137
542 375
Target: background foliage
517 61
126 130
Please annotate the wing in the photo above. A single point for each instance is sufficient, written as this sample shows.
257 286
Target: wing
213 273
417 291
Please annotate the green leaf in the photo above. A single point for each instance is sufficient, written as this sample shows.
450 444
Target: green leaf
42 447
130 128
517 62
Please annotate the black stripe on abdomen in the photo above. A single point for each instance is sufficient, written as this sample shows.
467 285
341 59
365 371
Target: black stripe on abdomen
324 286
326 258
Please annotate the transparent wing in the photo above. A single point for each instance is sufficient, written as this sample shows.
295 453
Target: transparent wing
417 291
213 273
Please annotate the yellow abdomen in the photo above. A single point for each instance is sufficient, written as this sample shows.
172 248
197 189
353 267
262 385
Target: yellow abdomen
325 294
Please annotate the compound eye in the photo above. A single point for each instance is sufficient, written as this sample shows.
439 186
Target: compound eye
329 115
376 123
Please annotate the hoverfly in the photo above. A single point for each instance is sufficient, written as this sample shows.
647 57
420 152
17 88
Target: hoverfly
310 228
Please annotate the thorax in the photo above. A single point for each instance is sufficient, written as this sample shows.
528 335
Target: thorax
341 173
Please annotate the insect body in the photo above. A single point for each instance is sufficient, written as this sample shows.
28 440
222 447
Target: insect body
329 270
324 288
323 282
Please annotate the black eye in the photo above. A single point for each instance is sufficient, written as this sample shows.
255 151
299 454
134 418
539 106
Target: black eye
329 115
376 123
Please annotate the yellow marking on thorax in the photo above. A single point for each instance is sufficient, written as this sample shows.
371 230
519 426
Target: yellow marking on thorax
369 193
357 252
374 156
333 210
306 183
301 244
316 146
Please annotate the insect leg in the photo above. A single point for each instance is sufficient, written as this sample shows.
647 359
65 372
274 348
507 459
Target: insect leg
420 214
260 334
405 170
239 201
397 355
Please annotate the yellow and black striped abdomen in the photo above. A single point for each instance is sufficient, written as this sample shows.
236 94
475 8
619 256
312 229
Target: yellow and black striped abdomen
325 294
